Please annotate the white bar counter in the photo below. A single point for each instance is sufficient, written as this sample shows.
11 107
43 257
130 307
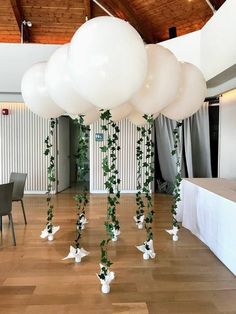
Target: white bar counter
208 209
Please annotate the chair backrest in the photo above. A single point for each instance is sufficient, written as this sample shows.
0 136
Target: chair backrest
6 198
19 185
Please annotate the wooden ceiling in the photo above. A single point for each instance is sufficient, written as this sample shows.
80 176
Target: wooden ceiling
55 21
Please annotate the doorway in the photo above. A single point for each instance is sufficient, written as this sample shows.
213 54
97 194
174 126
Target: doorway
67 150
214 137
76 181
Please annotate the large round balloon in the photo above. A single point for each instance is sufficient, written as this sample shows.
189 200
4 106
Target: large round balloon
108 61
121 112
90 117
162 81
137 118
35 93
60 84
191 98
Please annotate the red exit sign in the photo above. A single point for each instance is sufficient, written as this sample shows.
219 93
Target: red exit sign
5 112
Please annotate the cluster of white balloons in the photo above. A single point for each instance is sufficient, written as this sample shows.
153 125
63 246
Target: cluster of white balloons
107 66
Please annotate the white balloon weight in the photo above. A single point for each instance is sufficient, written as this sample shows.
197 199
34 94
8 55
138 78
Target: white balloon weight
35 93
191 98
162 81
60 84
121 112
108 61
137 118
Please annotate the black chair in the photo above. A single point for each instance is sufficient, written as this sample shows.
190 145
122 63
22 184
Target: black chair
6 205
18 189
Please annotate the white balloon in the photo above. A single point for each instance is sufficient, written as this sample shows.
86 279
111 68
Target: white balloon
35 93
121 112
137 118
162 81
191 98
73 116
60 84
90 117
108 61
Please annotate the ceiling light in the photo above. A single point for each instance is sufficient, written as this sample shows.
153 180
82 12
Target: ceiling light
27 23
24 23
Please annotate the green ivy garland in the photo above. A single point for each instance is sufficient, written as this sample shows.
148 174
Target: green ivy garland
139 157
178 179
144 136
148 166
50 173
110 172
82 170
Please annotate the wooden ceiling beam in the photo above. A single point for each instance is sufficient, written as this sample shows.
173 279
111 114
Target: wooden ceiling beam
217 3
123 10
88 8
19 16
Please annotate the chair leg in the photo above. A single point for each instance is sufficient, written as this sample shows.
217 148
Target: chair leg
1 224
23 209
12 228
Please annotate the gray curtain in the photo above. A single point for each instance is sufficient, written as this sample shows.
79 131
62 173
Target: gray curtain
164 139
196 145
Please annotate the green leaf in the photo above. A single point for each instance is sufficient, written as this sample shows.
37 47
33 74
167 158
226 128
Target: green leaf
104 149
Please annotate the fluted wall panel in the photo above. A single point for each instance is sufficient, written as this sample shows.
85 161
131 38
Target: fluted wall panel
126 162
22 135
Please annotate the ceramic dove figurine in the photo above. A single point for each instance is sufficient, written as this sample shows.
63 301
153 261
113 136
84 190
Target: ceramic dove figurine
147 249
174 233
49 235
139 220
105 276
77 254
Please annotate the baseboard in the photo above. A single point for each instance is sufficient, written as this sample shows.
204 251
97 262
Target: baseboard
105 192
37 192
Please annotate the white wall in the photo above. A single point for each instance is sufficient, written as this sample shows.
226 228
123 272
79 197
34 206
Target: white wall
228 85
15 59
218 41
212 49
22 135
186 48
227 136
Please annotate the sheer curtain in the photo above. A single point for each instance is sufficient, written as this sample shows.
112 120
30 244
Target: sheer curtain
165 142
197 144
195 133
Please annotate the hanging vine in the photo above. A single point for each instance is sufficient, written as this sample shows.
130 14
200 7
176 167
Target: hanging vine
76 252
176 192
148 166
110 172
51 176
82 170
139 218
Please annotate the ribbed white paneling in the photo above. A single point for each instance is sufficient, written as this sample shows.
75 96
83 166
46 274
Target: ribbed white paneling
22 135
126 158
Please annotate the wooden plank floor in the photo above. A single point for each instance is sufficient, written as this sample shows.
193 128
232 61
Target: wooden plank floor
184 278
